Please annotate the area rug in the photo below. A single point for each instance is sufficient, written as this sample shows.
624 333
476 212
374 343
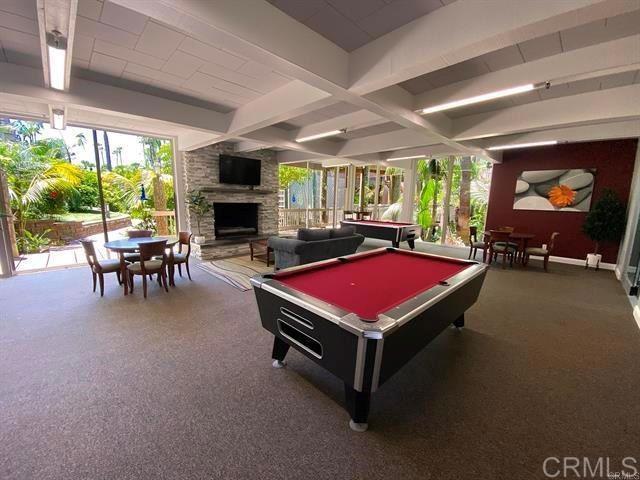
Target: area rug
236 271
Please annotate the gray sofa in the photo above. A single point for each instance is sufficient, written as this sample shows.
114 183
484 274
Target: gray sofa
312 245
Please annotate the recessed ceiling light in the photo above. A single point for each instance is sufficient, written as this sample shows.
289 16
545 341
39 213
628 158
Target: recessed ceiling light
523 145
482 98
321 135
57 54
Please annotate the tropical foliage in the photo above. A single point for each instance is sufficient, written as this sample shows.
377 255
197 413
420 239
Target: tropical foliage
43 181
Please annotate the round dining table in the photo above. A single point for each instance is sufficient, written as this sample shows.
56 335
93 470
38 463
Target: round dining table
521 238
131 245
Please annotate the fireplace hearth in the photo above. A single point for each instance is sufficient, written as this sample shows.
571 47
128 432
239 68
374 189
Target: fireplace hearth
235 219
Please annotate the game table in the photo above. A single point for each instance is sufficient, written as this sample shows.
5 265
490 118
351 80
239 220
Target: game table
363 316
395 232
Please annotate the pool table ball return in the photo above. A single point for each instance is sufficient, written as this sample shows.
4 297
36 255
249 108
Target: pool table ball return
363 316
395 232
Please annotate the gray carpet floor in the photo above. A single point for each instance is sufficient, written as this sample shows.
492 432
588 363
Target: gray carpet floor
180 386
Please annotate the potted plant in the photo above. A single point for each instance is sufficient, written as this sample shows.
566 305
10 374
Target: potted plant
604 223
199 206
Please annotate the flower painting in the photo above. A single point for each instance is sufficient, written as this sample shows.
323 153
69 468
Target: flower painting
560 190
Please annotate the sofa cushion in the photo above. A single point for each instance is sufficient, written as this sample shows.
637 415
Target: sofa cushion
313 234
342 232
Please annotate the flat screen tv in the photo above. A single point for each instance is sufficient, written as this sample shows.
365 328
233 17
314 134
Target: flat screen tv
239 170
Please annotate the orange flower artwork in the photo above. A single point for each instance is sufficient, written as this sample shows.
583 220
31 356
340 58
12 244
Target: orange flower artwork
561 196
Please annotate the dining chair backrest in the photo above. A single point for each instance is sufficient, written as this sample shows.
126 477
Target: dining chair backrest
473 234
365 215
552 241
504 229
139 233
184 238
499 236
90 252
348 215
148 250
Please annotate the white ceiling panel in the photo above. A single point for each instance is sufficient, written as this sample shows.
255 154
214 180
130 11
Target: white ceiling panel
300 10
90 8
93 29
182 64
108 65
24 8
396 14
503 58
164 77
17 22
82 47
356 9
211 54
122 18
127 54
338 28
159 41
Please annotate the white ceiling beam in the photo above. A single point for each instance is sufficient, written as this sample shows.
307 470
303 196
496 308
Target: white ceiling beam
427 44
278 137
588 62
350 121
250 146
57 15
289 101
25 82
612 104
579 133
427 151
253 29
257 30
395 140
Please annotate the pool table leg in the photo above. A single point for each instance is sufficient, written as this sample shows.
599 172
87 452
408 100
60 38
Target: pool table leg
459 322
280 349
358 408
412 243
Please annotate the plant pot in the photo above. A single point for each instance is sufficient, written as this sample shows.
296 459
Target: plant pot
593 260
199 239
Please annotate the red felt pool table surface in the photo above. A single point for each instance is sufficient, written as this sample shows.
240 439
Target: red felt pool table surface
374 283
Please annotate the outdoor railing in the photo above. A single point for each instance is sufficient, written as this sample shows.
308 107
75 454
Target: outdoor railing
293 218
170 215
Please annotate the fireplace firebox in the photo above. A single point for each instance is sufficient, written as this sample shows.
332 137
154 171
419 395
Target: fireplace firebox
235 219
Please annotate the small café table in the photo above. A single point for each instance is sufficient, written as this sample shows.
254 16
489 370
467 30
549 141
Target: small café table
521 238
131 245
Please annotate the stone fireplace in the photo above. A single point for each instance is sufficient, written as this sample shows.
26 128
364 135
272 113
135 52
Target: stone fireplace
240 213
235 219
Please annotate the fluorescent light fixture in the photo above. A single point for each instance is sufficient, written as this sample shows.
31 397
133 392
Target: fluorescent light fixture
57 54
480 98
321 135
406 158
57 119
523 145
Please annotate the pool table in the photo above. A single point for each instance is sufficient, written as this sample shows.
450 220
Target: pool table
395 232
363 316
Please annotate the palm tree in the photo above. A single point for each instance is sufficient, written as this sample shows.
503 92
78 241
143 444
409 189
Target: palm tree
117 152
154 163
81 140
32 174
107 151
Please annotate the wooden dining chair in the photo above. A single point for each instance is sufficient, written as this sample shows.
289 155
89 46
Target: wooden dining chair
349 215
541 252
474 244
499 245
135 257
180 257
148 265
99 267
365 215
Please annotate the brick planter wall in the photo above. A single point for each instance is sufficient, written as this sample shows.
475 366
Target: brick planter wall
74 230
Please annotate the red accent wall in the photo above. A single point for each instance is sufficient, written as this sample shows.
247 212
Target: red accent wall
614 161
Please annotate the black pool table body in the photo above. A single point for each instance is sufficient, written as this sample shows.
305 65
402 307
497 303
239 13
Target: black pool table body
395 232
363 352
